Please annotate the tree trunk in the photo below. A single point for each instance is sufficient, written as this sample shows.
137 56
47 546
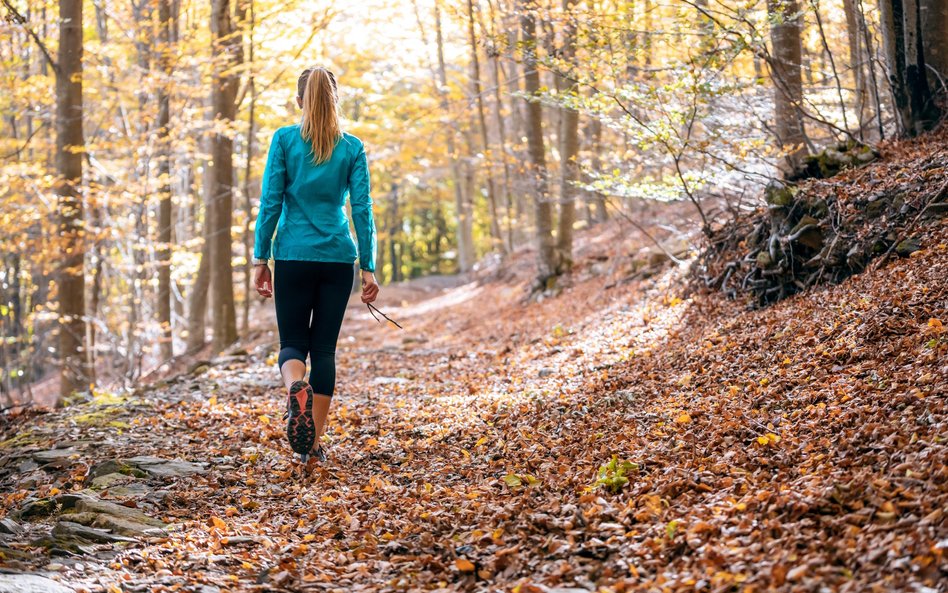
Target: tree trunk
934 17
75 373
482 124
165 25
859 63
248 168
393 232
462 199
226 45
785 66
594 142
569 149
904 49
546 262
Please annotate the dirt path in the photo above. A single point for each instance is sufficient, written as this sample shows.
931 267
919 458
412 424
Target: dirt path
464 451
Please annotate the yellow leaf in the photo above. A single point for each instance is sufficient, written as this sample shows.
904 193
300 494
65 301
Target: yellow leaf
218 522
265 419
309 537
683 418
762 440
372 442
935 324
230 511
54 491
464 565
212 401
480 441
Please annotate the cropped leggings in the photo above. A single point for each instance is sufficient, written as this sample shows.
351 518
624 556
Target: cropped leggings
311 299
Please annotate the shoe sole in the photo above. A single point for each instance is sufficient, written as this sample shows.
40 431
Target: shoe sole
300 428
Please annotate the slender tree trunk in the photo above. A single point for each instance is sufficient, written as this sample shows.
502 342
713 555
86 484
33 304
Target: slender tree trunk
934 17
165 25
785 35
482 124
569 149
493 57
859 62
502 137
904 48
546 257
462 198
393 232
248 168
220 201
75 374
594 142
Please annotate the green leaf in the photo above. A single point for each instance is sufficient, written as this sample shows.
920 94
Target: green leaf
513 480
671 529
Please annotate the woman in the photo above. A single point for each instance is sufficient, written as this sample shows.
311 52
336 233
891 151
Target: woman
310 169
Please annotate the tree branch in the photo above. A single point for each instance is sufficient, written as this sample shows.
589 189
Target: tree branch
19 19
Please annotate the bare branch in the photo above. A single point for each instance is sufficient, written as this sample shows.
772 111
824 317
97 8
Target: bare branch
15 17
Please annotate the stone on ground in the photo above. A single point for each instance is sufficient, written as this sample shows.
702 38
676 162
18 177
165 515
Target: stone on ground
30 583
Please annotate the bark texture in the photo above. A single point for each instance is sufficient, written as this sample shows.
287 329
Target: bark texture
786 72
546 261
220 200
75 374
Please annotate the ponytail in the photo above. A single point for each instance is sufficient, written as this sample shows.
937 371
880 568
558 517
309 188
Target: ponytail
317 88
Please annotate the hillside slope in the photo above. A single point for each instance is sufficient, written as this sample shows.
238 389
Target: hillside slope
796 447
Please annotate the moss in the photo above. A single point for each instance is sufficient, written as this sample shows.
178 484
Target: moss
23 438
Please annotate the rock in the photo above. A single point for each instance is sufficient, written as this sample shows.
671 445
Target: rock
908 246
778 195
68 530
31 583
124 527
80 518
93 505
43 507
546 372
165 468
68 500
27 465
108 480
44 457
115 467
133 490
8 525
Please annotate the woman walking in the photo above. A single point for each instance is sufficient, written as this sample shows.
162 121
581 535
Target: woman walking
310 168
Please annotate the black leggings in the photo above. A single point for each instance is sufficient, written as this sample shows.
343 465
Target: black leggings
317 291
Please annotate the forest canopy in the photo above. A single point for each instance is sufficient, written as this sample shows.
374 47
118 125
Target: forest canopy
135 133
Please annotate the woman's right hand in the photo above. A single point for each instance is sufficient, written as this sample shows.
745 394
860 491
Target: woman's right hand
370 287
262 280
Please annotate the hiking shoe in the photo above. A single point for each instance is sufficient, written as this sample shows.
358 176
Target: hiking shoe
319 454
300 428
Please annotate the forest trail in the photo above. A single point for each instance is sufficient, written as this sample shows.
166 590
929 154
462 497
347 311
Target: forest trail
465 449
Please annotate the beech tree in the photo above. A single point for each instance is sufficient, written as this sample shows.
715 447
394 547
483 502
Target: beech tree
786 74
905 53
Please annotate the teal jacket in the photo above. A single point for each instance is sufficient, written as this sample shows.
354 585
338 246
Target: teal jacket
309 202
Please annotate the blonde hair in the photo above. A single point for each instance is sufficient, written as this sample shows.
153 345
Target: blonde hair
317 89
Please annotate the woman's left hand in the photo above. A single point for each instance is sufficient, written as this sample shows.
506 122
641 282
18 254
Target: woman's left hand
370 287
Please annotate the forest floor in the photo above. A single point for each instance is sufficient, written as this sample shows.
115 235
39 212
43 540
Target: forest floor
799 447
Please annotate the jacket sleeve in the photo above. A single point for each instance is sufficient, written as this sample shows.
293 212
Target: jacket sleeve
361 203
271 199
